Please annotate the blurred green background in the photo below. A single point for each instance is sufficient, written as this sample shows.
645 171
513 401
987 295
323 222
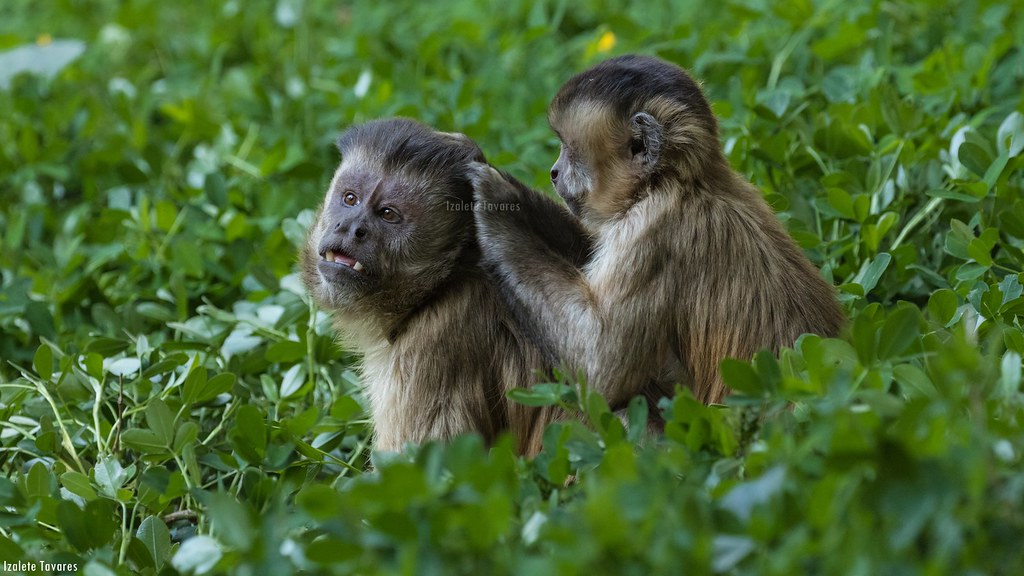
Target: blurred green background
164 377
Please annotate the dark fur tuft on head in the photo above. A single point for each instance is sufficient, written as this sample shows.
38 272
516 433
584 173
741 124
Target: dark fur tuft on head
628 82
404 145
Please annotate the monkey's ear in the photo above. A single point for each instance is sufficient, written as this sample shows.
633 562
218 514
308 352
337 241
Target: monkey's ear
474 152
646 135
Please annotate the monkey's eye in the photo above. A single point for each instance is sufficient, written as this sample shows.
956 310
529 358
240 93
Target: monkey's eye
350 198
390 215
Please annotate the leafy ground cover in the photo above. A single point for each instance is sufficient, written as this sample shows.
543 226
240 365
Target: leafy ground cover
171 403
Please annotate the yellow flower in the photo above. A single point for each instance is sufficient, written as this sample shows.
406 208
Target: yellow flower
44 40
606 43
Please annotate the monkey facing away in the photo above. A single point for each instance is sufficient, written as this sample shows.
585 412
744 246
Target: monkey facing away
393 257
690 265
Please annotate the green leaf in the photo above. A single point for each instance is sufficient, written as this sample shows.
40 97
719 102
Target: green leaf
43 362
745 497
768 371
601 417
841 202
107 347
145 441
194 385
980 252
286 351
219 384
1010 374
1014 340
901 329
346 408
232 523
970 271
250 433
197 555
186 435
861 207
78 484
319 501
10 551
637 412
94 365
301 423
38 483
1010 136
160 421
547 394
865 335
292 382
914 379
741 377
872 271
89 528
157 539
974 157
942 306
1012 219
995 170
110 476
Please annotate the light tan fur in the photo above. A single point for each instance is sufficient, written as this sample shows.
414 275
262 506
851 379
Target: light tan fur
690 265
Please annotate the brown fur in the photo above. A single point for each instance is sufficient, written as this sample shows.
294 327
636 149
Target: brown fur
439 347
690 264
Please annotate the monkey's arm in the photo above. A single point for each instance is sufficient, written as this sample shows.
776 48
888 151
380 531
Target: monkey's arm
539 217
553 301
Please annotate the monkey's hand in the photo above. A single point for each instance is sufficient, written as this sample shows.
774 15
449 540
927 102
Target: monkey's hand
495 191
508 213
502 212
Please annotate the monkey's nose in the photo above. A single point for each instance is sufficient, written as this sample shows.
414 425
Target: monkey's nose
554 175
344 228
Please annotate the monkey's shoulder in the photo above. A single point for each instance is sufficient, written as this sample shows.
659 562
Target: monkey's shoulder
467 320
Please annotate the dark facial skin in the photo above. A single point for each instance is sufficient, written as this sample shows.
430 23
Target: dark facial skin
383 238
360 212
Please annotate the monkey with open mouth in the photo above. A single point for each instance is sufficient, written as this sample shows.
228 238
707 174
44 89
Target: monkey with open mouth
393 257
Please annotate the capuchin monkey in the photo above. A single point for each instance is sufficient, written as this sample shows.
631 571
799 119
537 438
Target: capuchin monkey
393 257
690 265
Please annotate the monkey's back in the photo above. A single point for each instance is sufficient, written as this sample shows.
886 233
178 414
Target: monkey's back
752 286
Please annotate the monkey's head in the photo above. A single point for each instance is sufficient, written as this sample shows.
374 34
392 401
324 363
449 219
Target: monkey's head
396 219
624 124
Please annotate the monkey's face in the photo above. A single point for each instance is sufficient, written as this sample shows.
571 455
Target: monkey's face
624 124
595 170
359 224
384 239
395 220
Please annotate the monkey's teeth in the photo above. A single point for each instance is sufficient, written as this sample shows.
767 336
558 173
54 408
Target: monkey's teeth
340 258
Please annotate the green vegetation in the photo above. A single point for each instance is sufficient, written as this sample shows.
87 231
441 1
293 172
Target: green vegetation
169 402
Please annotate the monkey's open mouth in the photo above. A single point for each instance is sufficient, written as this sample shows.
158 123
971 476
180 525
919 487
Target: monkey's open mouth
343 259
